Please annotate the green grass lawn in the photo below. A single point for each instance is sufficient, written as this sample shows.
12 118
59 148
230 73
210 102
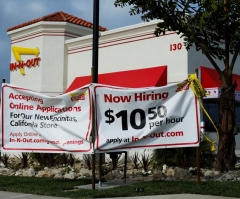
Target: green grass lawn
58 187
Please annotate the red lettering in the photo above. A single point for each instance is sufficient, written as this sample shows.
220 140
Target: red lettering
11 96
116 99
29 63
20 64
174 47
36 61
13 66
107 98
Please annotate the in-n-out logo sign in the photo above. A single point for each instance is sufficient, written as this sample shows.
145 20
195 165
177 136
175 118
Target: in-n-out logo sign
181 87
20 64
78 96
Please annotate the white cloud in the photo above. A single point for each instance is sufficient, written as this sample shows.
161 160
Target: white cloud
22 10
81 5
82 9
111 16
37 7
8 6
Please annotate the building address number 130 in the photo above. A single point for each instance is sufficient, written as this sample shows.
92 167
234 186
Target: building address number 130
174 47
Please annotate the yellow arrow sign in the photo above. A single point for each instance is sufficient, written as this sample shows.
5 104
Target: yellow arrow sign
22 71
17 51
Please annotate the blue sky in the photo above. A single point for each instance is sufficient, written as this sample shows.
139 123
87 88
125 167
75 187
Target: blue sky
14 12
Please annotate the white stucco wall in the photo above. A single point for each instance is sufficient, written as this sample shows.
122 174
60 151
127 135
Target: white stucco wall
49 37
197 59
128 48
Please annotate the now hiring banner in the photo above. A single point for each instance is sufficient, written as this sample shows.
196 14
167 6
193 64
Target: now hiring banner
125 119
145 118
33 122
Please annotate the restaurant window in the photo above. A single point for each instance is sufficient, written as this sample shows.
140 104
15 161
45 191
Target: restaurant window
212 109
237 113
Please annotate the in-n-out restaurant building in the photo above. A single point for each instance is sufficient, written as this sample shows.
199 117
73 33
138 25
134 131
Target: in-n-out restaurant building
53 55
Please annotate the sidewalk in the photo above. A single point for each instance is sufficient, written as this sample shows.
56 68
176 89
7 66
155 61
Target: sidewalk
176 196
10 195
107 185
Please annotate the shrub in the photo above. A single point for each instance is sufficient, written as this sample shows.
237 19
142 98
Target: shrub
115 159
184 157
67 169
46 159
207 156
77 160
24 157
134 159
71 159
4 159
66 159
87 160
104 169
145 161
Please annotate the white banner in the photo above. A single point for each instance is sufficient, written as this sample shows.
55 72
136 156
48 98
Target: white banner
39 123
145 118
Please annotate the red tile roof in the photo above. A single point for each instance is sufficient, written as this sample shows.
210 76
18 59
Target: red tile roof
59 17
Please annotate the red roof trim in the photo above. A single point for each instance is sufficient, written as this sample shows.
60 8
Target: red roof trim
211 79
147 77
58 17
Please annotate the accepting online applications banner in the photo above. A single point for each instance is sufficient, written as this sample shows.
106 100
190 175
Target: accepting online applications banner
34 122
125 119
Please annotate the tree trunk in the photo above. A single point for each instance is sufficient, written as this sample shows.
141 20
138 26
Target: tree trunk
226 157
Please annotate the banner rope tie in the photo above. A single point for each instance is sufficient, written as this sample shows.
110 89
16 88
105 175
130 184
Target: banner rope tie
200 92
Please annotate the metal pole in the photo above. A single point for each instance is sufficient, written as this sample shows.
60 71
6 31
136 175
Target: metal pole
100 170
94 74
93 141
95 40
125 168
198 152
